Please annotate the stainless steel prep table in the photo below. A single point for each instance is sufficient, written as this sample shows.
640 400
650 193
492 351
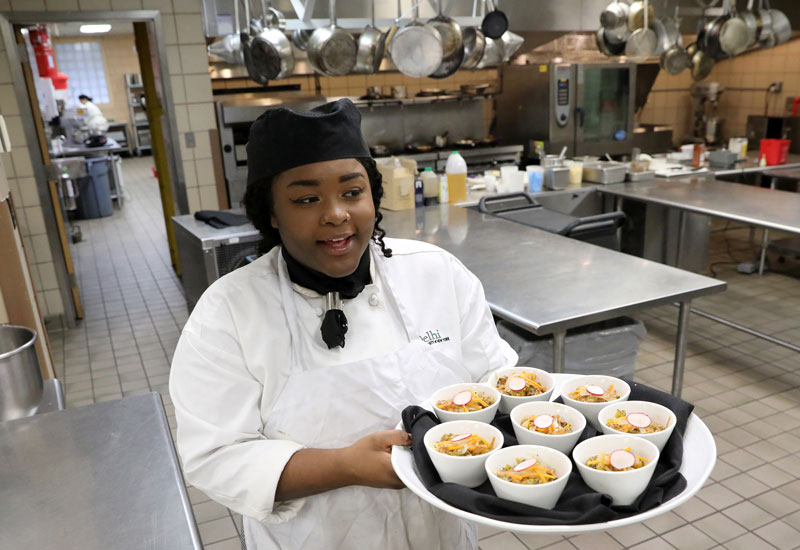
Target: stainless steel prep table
767 208
96 477
546 283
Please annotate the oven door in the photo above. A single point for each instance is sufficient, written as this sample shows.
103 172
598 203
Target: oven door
604 109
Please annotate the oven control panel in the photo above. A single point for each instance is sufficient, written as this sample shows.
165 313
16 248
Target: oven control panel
562 76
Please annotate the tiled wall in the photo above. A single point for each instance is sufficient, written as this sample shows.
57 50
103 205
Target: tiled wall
670 103
356 85
119 59
193 111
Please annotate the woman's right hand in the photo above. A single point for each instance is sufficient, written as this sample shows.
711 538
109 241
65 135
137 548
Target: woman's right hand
369 460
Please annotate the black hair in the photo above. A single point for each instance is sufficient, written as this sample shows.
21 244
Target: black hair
84 96
258 206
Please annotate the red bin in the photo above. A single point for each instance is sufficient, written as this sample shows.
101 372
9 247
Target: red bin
776 151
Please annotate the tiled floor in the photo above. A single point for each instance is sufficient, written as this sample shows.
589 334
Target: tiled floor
135 310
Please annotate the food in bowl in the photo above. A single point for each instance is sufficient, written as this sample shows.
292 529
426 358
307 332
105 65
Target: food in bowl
530 471
520 384
466 401
635 423
593 393
463 445
550 424
619 460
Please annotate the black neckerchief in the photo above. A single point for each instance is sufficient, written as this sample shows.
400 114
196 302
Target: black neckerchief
335 289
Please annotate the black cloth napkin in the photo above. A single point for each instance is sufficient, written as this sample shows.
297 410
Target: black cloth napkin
578 503
219 219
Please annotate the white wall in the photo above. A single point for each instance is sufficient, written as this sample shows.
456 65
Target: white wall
193 111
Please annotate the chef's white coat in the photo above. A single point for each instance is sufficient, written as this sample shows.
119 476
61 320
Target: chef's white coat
233 360
94 117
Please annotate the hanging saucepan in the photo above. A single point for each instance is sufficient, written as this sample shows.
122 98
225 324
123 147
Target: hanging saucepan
251 30
270 51
751 21
702 64
300 38
614 15
675 60
331 50
781 26
417 48
495 22
636 15
733 35
605 46
711 43
663 41
643 41
371 47
766 36
474 44
452 44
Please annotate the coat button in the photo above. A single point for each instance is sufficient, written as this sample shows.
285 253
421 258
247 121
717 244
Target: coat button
373 300
319 311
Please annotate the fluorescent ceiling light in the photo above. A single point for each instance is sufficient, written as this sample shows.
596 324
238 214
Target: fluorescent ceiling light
94 29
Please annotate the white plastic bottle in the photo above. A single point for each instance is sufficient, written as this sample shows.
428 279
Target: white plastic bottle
430 185
456 170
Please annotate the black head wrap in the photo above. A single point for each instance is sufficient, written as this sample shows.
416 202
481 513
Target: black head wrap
281 139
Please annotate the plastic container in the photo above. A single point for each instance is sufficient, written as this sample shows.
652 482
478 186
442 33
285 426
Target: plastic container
775 151
456 171
575 171
444 194
535 178
430 183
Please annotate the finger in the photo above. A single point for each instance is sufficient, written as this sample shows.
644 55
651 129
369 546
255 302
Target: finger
394 437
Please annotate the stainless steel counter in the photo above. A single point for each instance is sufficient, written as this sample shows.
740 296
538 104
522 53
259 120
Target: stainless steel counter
546 283
752 205
110 147
97 477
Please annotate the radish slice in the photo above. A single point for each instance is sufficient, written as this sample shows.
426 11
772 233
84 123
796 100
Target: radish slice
525 464
462 398
595 390
516 383
638 420
543 421
459 437
621 459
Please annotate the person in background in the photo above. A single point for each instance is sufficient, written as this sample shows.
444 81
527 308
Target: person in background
95 120
292 372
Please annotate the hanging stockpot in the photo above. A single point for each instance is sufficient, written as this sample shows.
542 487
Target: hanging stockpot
452 44
371 47
417 47
331 50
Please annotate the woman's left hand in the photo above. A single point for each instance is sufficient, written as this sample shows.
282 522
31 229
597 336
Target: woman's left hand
369 460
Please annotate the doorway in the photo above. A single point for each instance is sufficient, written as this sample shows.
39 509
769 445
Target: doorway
143 97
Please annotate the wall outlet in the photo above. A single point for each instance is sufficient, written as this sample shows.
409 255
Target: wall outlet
776 87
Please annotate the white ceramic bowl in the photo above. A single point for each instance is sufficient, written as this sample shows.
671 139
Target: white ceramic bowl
508 402
561 442
591 410
483 415
543 496
464 470
623 487
657 413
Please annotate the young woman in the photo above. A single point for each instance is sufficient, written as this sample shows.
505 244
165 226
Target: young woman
291 372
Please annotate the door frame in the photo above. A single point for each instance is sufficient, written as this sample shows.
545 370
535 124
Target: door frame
171 144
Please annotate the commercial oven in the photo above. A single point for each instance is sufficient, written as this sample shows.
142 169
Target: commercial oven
589 107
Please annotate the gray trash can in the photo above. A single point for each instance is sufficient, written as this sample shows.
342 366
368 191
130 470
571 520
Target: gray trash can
609 347
21 383
94 191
